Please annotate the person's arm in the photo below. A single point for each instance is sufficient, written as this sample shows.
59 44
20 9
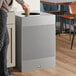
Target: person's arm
25 6
20 2
1 2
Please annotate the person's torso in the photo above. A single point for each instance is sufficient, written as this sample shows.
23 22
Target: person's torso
7 5
8 1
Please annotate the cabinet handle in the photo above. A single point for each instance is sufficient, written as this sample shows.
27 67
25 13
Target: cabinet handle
11 45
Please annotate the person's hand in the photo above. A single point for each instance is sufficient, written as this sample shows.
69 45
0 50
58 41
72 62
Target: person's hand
26 8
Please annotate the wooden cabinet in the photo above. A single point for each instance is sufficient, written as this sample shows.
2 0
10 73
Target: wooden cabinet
11 47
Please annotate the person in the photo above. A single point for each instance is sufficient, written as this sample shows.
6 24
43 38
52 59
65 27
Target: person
5 6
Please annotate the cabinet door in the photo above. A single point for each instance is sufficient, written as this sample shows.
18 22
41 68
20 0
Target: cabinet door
11 47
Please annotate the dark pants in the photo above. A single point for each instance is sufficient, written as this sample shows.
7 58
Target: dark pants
4 41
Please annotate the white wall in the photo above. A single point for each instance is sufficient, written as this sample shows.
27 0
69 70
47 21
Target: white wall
34 5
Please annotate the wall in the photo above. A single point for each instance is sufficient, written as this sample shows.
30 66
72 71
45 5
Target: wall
34 5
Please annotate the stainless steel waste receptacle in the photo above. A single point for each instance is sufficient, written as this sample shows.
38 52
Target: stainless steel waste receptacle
35 38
